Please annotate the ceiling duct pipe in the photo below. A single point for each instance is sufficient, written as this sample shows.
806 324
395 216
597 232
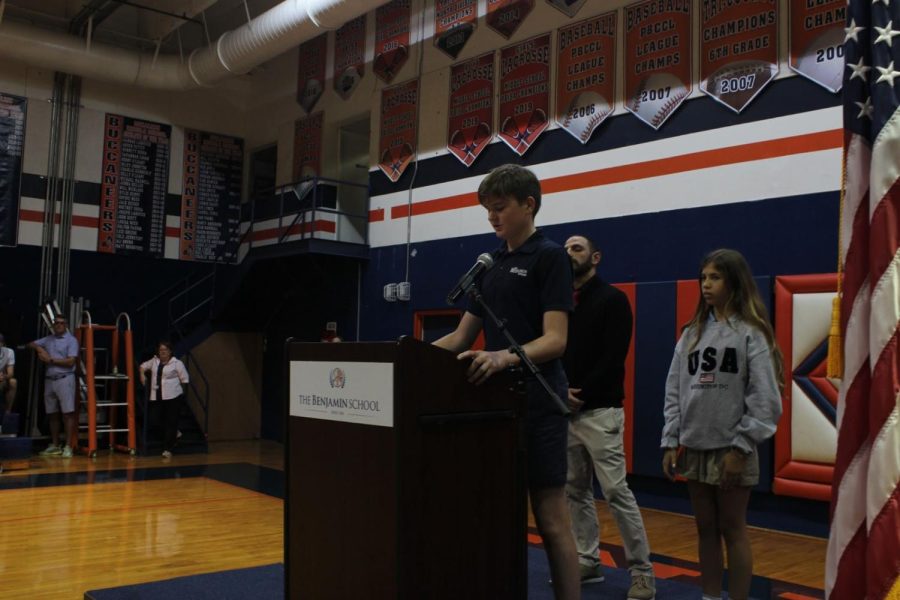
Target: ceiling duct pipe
272 33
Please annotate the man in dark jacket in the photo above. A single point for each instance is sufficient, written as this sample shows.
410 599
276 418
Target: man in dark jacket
598 340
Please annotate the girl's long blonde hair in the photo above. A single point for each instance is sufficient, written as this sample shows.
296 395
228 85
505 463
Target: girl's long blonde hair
743 300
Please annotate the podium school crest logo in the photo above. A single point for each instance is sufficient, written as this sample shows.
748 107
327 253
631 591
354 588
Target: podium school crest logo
337 378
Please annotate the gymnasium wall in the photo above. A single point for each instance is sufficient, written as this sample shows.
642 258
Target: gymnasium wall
764 181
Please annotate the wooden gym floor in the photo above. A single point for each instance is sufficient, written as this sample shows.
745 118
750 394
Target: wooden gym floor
72 525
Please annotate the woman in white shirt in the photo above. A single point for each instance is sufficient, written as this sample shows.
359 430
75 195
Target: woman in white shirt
167 380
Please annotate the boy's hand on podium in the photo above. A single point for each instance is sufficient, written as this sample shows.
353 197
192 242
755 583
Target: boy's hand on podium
484 364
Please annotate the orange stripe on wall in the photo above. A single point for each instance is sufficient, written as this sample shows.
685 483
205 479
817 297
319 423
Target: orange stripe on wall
798 144
437 205
37 216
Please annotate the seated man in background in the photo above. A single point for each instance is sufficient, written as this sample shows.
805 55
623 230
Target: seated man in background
7 375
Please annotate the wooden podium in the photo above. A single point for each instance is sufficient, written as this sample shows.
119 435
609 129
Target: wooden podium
403 480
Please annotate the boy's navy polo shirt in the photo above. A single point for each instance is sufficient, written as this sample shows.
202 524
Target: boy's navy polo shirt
522 285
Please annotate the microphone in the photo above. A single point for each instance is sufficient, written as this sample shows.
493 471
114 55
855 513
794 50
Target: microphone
484 262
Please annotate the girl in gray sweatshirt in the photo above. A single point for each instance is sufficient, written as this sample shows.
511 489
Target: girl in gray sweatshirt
723 398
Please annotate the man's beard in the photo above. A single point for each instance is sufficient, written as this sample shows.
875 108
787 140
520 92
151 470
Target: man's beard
579 269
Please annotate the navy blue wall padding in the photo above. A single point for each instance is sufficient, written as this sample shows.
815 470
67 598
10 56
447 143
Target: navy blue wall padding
654 345
15 448
113 283
10 423
780 236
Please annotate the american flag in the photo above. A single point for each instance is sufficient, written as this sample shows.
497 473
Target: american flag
863 559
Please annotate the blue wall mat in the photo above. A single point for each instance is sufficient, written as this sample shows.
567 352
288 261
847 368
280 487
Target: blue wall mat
778 236
654 344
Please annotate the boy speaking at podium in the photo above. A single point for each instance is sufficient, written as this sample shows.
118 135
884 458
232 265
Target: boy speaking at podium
529 287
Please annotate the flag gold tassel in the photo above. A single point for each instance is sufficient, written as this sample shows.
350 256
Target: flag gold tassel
894 592
835 367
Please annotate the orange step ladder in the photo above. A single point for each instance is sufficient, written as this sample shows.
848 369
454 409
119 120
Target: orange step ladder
118 376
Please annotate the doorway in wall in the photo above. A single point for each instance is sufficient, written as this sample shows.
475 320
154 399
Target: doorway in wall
263 163
354 175
261 181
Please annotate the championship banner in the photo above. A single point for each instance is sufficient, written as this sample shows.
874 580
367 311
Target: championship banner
586 75
816 41
311 71
657 58
397 145
134 186
738 50
524 92
211 196
391 38
349 56
569 7
505 16
470 125
12 145
307 147
454 24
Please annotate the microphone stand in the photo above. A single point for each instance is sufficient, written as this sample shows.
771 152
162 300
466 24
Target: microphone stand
517 349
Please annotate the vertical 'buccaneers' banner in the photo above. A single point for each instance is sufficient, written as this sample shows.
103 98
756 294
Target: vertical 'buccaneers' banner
817 40
586 75
657 58
524 92
397 145
470 124
391 38
134 186
738 50
307 146
311 72
454 23
211 196
349 56
12 145
505 16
